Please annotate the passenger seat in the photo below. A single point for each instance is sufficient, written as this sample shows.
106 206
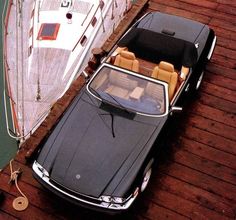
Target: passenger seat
166 73
127 60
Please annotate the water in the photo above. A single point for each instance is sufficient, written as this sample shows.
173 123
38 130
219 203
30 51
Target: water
8 146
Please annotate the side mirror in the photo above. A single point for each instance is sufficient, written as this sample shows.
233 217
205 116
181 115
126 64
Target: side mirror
174 109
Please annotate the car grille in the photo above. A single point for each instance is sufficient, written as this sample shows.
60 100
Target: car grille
78 195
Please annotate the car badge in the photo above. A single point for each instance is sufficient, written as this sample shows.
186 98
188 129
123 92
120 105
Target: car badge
197 45
77 176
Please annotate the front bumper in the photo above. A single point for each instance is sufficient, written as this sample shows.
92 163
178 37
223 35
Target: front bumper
97 204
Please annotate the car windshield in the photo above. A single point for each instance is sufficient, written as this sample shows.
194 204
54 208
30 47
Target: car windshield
129 91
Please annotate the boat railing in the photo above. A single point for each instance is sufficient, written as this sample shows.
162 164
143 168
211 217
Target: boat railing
5 20
13 130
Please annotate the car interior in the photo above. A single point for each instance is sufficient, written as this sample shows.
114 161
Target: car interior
129 90
164 71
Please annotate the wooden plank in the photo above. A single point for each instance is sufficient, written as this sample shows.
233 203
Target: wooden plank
227 2
31 213
224 61
5 216
227 9
221 23
213 113
226 52
212 126
221 81
209 153
182 206
36 196
154 211
218 103
203 3
210 139
196 195
222 71
176 11
198 9
202 181
218 91
224 33
206 166
226 43
44 204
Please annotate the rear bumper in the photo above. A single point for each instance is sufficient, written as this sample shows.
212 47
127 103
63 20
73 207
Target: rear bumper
96 204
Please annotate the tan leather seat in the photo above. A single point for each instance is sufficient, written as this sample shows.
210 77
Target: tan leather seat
166 72
184 72
127 60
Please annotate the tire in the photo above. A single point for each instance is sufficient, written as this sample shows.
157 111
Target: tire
146 176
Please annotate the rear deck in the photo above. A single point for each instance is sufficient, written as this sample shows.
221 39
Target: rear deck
196 177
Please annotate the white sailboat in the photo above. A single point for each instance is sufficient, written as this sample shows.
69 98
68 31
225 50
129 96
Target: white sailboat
47 45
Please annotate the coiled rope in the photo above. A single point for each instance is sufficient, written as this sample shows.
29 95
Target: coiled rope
20 203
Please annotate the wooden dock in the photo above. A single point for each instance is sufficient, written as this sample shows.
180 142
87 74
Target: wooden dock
196 175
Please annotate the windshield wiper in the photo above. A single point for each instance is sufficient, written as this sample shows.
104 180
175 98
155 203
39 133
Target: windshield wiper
101 114
121 106
111 96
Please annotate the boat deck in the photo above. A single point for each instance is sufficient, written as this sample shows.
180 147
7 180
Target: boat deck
196 175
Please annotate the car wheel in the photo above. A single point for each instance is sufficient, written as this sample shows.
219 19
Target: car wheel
146 176
199 82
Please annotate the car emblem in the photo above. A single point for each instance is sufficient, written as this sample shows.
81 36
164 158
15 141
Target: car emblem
77 176
197 45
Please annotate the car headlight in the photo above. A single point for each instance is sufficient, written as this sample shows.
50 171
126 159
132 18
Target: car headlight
41 169
107 199
110 199
118 200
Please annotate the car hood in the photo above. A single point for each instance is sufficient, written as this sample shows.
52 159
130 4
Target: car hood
83 155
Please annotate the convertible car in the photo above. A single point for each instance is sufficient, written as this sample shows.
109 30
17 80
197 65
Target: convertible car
101 152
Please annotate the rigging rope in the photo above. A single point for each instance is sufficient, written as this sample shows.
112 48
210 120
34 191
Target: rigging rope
38 94
22 65
21 202
17 59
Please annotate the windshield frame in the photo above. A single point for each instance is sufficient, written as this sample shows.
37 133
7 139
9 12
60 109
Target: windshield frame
165 85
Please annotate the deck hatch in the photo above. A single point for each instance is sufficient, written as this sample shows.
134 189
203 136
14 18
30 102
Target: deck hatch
48 31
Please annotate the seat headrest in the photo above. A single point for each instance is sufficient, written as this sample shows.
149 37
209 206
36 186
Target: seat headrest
166 66
127 55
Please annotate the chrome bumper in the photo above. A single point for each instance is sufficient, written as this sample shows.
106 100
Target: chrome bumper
44 176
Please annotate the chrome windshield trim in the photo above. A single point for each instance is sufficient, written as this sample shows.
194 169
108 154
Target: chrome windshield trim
106 205
137 75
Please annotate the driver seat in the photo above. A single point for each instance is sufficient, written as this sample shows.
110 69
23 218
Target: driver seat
166 73
127 60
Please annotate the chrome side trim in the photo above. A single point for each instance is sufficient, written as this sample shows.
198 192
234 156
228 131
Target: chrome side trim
212 49
38 169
